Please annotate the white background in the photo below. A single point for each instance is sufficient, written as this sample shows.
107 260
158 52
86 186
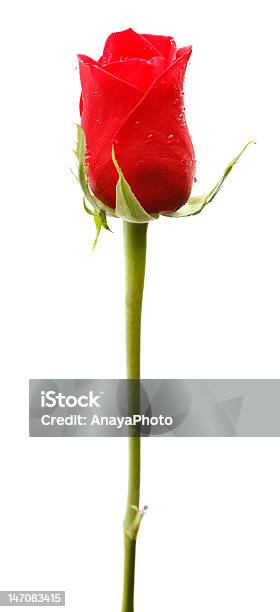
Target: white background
211 538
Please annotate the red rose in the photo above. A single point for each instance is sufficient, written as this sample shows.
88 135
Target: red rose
132 99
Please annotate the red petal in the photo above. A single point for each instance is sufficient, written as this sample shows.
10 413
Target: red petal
153 146
81 105
183 51
87 60
107 100
127 44
165 45
137 72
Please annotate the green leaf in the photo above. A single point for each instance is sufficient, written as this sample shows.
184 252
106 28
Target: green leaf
196 204
127 206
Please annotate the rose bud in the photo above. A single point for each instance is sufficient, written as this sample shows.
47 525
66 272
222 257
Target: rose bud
132 104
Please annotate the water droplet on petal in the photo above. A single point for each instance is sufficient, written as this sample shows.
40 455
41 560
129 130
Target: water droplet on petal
170 137
137 123
150 136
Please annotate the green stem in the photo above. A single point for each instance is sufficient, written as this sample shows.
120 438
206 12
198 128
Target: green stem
135 262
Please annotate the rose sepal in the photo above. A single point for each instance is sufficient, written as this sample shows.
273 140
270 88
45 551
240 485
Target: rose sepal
82 178
98 210
100 221
128 207
196 204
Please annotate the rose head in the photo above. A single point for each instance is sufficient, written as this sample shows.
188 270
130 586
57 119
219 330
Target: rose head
132 100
